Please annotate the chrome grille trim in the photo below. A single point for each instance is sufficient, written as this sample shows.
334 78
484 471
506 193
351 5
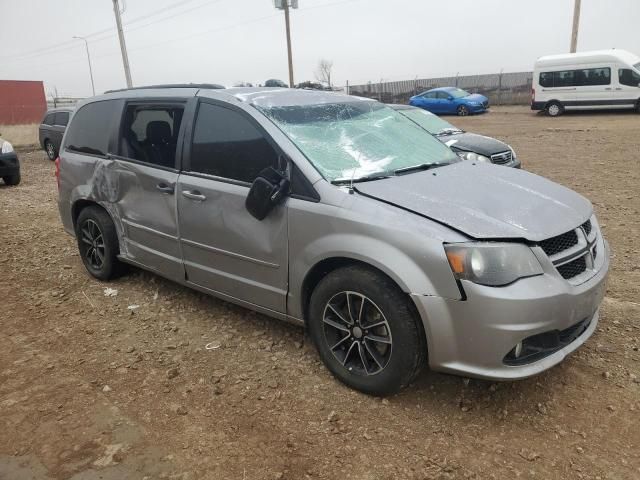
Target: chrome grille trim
501 157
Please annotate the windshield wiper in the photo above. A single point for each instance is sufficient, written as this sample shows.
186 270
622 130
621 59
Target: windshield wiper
366 178
449 131
422 166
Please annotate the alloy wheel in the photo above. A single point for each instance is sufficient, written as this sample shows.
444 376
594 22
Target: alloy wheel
51 152
91 236
357 333
463 111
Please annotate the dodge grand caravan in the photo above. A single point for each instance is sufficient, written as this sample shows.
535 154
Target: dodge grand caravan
340 214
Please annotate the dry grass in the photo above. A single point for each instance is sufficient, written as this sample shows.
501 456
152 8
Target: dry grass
20 135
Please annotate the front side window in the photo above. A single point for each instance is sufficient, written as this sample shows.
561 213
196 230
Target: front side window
49 119
90 129
357 139
150 133
227 144
629 77
429 95
458 93
61 118
443 95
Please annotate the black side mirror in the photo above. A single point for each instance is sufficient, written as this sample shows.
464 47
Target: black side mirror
268 189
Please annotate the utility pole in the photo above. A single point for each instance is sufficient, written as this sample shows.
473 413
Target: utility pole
286 5
123 46
576 25
86 44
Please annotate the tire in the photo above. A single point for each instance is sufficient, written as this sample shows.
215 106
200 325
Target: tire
554 109
50 149
462 111
98 243
12 179
383 349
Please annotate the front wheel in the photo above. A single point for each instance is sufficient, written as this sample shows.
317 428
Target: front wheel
463 111
365 331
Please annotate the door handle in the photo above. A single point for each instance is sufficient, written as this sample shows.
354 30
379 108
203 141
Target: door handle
608 88
166 188
618 88
194 195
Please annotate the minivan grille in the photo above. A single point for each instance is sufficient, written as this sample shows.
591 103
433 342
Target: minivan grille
573 268
554 245
501 158
573 252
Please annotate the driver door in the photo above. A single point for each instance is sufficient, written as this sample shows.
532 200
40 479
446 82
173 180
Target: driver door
225 249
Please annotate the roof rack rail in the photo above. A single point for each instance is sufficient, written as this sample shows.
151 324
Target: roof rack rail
208 86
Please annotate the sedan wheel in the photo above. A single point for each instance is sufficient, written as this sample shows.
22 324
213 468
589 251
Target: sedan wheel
463 111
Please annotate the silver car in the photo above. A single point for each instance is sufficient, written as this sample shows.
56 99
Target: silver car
340 214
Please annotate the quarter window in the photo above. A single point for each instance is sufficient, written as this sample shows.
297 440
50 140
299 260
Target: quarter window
227 144
61 118
628 77
150 133
90 129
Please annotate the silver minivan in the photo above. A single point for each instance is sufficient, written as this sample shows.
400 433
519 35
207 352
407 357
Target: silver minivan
338 213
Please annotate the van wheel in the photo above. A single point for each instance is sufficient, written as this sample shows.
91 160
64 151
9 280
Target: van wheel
462 111
554 109
365 331
98 243
12 179
50 148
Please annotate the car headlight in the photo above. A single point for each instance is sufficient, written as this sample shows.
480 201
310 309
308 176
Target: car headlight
492 263
7 147
474 103
474 157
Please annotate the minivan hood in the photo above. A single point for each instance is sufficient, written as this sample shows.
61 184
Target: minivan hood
485 201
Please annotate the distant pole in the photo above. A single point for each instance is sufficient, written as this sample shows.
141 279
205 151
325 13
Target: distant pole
123 46
347 87
576 26
86 44
288 28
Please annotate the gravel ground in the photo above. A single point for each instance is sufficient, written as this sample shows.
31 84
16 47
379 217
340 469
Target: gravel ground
91 387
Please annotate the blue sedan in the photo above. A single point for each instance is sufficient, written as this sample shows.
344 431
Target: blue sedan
451 100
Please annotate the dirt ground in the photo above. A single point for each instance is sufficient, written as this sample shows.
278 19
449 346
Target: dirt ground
93 388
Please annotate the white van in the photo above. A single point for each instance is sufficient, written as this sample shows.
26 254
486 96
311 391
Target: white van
586 80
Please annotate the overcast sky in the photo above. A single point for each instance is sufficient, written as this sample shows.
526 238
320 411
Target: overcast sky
225 41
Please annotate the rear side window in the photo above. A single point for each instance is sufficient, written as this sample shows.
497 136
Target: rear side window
443 95
61 118
150 133
565 78
227 144
48 120
90 129
628 77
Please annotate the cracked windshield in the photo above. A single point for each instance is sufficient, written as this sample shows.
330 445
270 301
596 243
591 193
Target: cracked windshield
357 140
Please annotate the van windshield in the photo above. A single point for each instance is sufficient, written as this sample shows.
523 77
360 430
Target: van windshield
354 140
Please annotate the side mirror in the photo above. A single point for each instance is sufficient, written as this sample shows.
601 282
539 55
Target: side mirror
268 189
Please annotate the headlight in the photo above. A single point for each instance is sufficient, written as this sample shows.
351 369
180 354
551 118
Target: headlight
474 157
7 147
492 263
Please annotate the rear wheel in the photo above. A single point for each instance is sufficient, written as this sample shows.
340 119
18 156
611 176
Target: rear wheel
365 331
12 179
554 109
50 148
98 243
463 111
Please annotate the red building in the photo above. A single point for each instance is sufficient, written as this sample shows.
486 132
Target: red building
21 101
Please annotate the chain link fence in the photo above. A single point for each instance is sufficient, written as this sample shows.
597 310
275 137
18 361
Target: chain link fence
501 88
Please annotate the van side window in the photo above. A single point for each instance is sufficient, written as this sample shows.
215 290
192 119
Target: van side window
594 76
546 79
90 129
628 77
226 144
61 119
565 78
150 133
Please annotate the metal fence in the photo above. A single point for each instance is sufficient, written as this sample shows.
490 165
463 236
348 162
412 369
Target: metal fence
54 102
501 88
